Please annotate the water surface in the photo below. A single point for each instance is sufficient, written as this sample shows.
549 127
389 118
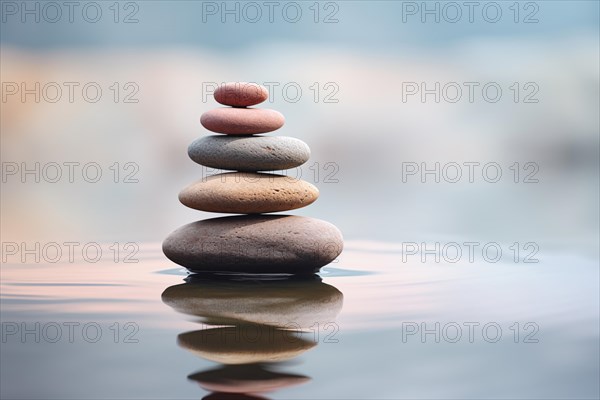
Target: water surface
373 325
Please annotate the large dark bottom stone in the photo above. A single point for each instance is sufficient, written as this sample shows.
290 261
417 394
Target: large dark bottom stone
283 244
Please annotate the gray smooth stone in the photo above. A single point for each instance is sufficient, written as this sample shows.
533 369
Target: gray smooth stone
285 244
249 153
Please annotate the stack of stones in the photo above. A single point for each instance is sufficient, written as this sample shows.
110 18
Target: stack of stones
254 242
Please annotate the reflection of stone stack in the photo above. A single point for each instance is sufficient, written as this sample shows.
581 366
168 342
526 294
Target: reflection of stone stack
254 321
250 243
248 378
286 303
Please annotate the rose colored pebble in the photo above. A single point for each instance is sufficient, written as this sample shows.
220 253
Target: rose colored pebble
241 94
242 121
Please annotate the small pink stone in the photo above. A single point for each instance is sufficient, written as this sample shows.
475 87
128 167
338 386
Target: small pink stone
242 121
241 94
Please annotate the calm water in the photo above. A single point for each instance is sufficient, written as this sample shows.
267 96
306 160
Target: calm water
374 326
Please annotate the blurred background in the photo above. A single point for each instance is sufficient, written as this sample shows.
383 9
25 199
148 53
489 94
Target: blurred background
428 122
341 72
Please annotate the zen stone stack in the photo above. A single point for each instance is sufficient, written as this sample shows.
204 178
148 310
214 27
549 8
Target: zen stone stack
250 243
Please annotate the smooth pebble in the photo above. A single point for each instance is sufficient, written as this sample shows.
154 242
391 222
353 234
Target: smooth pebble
252 153
242 121
250 244
241 94
248 193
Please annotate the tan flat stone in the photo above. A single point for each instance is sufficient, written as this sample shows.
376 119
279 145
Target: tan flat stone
248 193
